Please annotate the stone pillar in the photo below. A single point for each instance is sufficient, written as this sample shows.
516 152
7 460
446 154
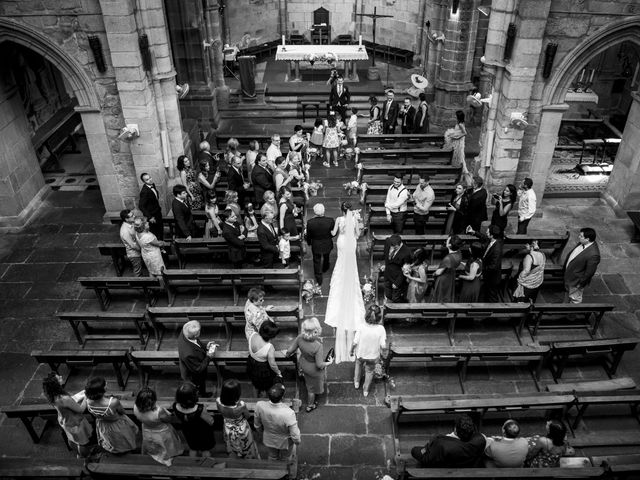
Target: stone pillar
212 24
624 184
439 14
137 100
22 186
454 79
547 140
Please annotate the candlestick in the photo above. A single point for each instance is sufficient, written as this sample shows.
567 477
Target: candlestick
360 40
581 73
593 72
283 40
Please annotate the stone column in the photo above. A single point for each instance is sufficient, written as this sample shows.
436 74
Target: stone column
137 100
624 184
454 79
212 24
22 186
439 14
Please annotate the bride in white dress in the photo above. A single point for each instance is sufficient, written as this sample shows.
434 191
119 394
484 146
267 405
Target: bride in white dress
345 308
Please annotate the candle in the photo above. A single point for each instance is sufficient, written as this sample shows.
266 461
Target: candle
283 40
581 73
593 72
360 40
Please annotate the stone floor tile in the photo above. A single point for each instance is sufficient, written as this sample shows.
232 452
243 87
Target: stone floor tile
356 450
616 283
58 240
373 473
72 271
15 256
335 420
55 290
25 309
54 255
40 272
378 420
14 290
311 472
313 450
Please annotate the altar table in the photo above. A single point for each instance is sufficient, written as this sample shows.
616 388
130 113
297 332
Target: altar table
296 53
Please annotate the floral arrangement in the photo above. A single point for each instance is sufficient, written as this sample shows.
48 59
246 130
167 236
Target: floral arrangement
368 290
310 289
328 57
358 216
313 187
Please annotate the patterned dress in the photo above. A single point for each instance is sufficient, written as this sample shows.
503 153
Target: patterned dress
237 433
331 138
150 253
375 127
194 188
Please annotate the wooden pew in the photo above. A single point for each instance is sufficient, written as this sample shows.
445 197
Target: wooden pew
152 471
219 246
451 312
505 473
609 351
462 356
409 140
145 361
613 384
75 319
215 315
377 220
477 405
29 467
103 286
236 279
426 155
118 255
383 174
558 315
117 358
552 244
375 194
634 216
622 397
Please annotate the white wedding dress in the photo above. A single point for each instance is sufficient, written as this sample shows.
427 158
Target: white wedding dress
345 308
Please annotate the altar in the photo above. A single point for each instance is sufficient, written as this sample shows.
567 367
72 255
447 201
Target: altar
294 54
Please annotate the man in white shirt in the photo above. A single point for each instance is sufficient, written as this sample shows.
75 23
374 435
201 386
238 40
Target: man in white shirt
423 198
273 151
279 427
128 238
527 206
507 451
396 204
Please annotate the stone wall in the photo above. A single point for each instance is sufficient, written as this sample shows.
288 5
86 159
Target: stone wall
251 22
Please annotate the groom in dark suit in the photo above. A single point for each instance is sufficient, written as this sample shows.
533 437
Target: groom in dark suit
319 237
339 97
396 254
580 266
149 205
390 111
185 227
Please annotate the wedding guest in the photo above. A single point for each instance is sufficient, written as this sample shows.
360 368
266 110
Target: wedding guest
115 430
423 198
390 112
288 212
194 357
352 127
251 157
235 415
508 451
268 239
503 205
416 274
274 151
374 126
526 206
320 239
230 153
445 276
196 423
234 234
281 177
150 248
395 204
261 178
471 283
255 313
149 205
580 265
231 201
250 222
185 226
70 413
531 274
128 238
317 136
454 139
207 179
189 178
270 203
279 427
235 179
369 343
331 142
159 439
477 206
213 227
340 96
284 247
396 255
547 451
407 115
458 211
261 363
311 361
493 244
204 153
421 120
298 143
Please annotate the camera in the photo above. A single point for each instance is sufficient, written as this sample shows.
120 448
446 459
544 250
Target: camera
496 196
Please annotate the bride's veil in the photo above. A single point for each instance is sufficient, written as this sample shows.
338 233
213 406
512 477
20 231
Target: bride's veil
350 223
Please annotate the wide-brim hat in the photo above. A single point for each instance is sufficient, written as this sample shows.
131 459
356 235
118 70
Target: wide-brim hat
419 81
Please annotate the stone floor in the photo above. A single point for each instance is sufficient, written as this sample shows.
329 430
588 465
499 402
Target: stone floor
348 436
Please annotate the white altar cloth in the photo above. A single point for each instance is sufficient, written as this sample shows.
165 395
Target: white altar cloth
342 52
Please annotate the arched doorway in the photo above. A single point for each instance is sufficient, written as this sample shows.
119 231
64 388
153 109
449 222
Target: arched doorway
626 31
27 191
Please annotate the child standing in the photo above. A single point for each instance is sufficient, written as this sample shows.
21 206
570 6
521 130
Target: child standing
197 423
368 345
237 433
352 128
284 247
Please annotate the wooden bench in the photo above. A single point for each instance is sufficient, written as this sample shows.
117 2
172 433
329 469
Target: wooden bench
117 358
623 397
103 286
236 279
551 244
451 312
404 156
219 246
384 174
634 216
461 356
29 467
118 255
409 140
506 473
375 195
377 219
215 315
75 319
622 383
56 134
554 316
609 351
145 361
306 103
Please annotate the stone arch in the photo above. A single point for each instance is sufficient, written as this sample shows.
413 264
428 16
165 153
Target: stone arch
35 40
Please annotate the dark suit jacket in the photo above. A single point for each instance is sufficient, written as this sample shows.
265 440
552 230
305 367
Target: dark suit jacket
492 259
268 243
235 181
393 113
208 156
409 117
262 180
343 99
193 360
477 206
149 204
448 452
580 271
236 246
183 218
319 234
393 267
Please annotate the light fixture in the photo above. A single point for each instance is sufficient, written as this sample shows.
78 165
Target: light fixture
454 6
